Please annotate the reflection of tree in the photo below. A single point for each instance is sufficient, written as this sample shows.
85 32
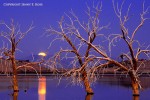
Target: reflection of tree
15 95
88 97
115 80
123 81
136 98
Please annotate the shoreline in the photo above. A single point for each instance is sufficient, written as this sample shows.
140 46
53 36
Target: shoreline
55 74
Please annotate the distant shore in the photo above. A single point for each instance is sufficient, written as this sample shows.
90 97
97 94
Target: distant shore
35 69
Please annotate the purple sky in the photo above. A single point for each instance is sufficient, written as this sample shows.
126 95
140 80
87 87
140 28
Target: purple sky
51 12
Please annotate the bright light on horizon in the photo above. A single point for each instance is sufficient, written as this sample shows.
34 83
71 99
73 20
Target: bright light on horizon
42 54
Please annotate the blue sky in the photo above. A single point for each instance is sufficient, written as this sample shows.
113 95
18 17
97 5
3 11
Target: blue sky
51 12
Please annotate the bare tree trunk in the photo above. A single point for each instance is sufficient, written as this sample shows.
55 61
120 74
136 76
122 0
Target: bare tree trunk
87 83
14 37
135 85
135 88
15 81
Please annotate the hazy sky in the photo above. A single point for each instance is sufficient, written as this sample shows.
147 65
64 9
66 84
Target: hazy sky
51 11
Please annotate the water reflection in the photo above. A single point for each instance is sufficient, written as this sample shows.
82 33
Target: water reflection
42 88
136 98
124 81
47 88
88 97
15 96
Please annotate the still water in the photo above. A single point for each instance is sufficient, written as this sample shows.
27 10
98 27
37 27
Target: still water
51 88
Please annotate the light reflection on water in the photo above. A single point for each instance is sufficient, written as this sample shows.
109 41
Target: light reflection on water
42 88
47 88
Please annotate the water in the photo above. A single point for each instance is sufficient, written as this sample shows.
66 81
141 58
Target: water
51 88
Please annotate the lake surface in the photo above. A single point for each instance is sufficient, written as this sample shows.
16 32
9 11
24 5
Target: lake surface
51 88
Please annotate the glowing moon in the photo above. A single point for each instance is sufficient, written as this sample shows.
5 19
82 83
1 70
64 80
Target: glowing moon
42 54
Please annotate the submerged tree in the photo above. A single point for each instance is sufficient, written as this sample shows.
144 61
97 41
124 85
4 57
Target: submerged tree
89 56
128 37
13 34
79 52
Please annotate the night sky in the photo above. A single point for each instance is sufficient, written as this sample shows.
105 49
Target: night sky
51 12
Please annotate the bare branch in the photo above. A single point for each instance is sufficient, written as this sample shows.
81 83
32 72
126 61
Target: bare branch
141 23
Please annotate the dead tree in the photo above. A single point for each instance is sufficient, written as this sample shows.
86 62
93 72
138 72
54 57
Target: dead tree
97 56
129 39
80 63
13 35
132 56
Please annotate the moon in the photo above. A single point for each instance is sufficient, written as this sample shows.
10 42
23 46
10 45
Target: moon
42 54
